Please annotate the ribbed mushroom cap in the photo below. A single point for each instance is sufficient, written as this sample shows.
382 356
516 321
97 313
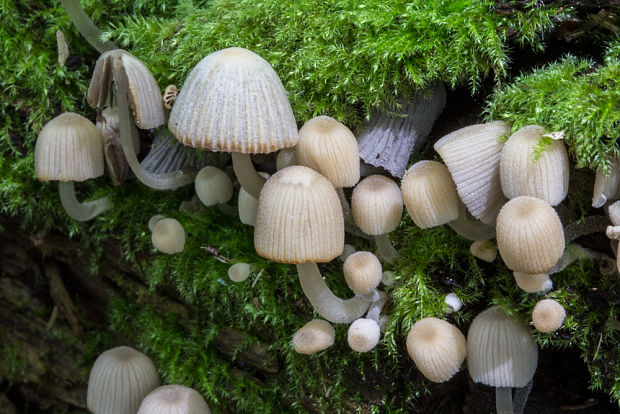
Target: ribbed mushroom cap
233 101
500 351
430 194
168 236
314 336
120 378
362 272
472 157
363 335
329 147
213 186
299 218
530 236
377 205
68 148
174 399
523 175
437 348
144 95
548 315
533 283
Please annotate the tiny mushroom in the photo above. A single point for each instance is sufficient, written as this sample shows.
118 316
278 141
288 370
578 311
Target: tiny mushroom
314 336
484 250
239 272
362 272
453 302
174 399
213 186
533 282
363 335
548 315
168 236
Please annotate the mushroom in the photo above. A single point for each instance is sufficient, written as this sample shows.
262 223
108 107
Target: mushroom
239 272
85 26
174 399
313 337
286 157
214 187
70 148
363 335
533 283
248 205
347 251
168 236
548 315
606 186
484 250
388 278
362 272
454 302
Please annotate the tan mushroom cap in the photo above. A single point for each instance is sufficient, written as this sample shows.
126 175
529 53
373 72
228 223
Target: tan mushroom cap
533 283
174 399
363 335
362 272
213 186
168 236
377 205
484 250
68 148
548 315
314 336
437 348
299 218
120 378
530 236
233 101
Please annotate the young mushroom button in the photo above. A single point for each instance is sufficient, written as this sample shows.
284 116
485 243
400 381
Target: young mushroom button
174 399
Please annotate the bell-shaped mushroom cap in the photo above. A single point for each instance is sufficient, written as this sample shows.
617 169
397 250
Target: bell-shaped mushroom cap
530 236
314 336
430 194
362 272
168 236
377 205
329 147
68 148
484 250
437 348
472 157
174 399
121 377
500 350
299 218
233 101
363 335
143 93
533 283
523 175
548 315
213 186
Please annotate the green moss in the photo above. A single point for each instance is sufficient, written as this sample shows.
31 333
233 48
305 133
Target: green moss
13 363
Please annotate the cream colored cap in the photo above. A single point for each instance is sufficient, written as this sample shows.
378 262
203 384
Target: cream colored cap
174 399
213 186
377 205
120 378
239 272
168 236
68 148
314 336
548 315
533 283
362 272
299 218
484 250
233 101
437 348
363 335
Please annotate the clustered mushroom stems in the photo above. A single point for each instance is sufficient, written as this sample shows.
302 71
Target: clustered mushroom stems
76 210
346 209
85 26
378 300
385 250
247 175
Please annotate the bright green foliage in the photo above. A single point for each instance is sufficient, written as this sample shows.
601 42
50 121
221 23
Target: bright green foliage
577 96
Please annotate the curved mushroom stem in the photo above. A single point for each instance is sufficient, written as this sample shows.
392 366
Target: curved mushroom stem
385 250
574 252
327 304
589 225
503 400
374 311
521 396
76 210
249 179
346 207
470 228
85 26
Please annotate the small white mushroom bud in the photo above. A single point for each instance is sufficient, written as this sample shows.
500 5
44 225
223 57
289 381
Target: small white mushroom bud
362 272
174 399
484 250
388 278
363 335
168 236
213 186
533 282
548 315
239 272
453 302
314 336
154 220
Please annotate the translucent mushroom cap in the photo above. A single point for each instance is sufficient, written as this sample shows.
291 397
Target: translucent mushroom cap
522 174
430 194
68 148
314 336
299 218
239 272
548 315
377 205
363 335
437 348
530 236
213 186
472 157
168 236
500 350
174 399
233 101
120 378
362 272
329 147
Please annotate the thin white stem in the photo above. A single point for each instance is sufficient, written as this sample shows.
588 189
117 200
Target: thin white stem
503 400
385 250
80 211
85 26
374 312
470 228
249 179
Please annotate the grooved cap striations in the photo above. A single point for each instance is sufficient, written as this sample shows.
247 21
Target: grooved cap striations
500 351
362 272
329 147
430 194
120 378
299 218
233 101
546 178
377 205
548 315
530 236
472 157
68 148
437 348
313 337
174 399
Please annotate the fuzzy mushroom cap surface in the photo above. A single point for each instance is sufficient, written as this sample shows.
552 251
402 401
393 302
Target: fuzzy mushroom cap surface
362 272
233 101
437 348
168 236
119 380
174 399
377 205
68 148
524 174
430 194
363 335
299 218
530 236
533 283
329 147
314 336
501 351
213 186
548 315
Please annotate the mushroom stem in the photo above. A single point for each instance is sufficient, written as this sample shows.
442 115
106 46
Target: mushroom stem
521 396
470 228
385 250
346 207
85 26
589 225
327 304
76 210
574 252
503 400
374 311
249 179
